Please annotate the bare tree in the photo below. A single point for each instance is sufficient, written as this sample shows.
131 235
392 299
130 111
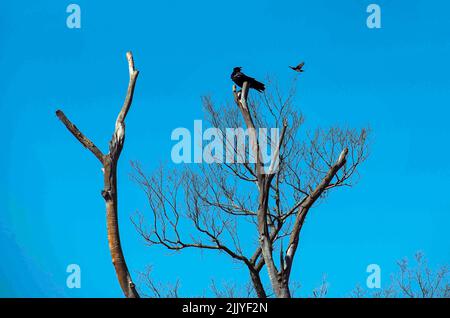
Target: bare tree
216 206
232 290
322 290
419 281
109 162
150 288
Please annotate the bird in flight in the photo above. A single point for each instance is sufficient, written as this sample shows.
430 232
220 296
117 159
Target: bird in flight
298 68
239 78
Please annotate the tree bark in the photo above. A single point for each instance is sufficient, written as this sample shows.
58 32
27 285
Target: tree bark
257 284
109 192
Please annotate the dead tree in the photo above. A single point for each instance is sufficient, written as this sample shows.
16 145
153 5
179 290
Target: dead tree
151 289
109 192
419 281
217 206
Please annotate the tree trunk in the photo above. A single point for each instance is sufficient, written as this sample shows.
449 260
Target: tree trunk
257 284
109 192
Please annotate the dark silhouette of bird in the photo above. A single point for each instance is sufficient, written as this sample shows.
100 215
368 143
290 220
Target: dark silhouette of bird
239 78
298 68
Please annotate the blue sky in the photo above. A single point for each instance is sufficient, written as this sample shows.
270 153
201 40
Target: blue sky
394 79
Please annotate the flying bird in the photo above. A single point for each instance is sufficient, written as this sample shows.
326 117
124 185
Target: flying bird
298 68
239 78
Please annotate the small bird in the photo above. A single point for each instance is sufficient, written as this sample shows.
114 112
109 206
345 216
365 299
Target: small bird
239 78
298 68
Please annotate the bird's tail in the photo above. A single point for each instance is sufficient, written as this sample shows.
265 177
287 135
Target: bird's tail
260 87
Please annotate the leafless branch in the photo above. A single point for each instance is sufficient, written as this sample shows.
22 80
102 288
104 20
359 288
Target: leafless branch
109 192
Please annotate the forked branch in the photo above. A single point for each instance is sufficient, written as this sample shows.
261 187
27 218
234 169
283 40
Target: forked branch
109 192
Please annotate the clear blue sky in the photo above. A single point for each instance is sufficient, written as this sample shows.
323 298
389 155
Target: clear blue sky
395 79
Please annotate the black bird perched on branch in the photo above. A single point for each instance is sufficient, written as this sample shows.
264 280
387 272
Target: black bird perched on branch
298 68
239 78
